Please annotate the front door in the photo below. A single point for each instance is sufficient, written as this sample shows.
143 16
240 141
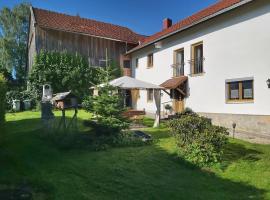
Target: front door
178 101
128 99
178 105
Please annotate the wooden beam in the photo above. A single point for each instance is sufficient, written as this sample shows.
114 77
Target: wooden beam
167 92
181 91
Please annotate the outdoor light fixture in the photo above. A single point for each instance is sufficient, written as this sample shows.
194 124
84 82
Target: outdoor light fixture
234 126
268 82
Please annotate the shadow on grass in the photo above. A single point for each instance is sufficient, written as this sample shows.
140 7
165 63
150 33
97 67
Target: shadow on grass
234 152
148 172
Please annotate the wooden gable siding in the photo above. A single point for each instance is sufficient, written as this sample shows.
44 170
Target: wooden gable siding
93 48
31 46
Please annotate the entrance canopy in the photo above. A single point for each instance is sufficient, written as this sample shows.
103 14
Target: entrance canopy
175 82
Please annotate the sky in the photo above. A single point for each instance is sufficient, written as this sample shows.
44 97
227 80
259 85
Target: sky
142 16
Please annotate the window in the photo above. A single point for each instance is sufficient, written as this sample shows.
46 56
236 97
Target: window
137 62
150 95
178 66
247 89
197 58
150 60
127 64
240 90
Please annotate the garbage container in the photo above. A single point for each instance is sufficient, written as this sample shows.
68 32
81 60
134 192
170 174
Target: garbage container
16 105
27 104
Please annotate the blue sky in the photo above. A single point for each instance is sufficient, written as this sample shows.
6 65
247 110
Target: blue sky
142 16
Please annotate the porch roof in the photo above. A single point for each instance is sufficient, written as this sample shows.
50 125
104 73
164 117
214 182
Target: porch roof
174 82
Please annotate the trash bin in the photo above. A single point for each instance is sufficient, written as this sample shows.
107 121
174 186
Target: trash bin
27 104
16 105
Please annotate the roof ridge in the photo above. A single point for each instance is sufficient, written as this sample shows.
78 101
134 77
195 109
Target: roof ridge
70 23
83 18
197 17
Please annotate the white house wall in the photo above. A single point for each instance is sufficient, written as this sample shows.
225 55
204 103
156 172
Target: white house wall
236 45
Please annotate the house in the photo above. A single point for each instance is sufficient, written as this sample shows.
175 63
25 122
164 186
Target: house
98 41
215 62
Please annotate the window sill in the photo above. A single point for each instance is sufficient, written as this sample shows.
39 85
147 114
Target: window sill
239 101
195 75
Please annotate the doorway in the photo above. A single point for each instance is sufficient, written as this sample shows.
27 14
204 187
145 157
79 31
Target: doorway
128 98
178 101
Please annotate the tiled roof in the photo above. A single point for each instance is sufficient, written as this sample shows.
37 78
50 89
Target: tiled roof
58 21
174 82
190 21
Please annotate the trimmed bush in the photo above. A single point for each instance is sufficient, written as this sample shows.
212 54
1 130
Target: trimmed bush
2 99
198 140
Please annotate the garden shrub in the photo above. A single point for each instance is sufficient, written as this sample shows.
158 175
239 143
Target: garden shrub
2 99
21 96
108 110
64 71
198 140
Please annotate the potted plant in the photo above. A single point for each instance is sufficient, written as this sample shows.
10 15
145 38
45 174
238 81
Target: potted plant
168 107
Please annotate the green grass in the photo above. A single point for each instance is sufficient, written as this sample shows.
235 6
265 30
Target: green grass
148 172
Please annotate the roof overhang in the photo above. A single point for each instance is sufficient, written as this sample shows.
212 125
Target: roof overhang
174 82
241 3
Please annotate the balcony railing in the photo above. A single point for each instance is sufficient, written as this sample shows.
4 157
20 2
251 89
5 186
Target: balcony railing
178 69
196 65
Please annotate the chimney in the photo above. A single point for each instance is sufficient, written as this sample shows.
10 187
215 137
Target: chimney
167 23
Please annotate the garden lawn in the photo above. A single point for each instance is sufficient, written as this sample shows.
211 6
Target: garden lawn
148 172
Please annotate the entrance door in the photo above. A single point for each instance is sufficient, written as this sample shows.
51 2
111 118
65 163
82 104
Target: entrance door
178 105
128 99
178 101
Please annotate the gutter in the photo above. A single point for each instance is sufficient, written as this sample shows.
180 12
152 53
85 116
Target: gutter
243 2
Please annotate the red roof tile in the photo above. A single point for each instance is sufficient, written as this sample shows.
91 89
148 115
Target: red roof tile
58 21
189 21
